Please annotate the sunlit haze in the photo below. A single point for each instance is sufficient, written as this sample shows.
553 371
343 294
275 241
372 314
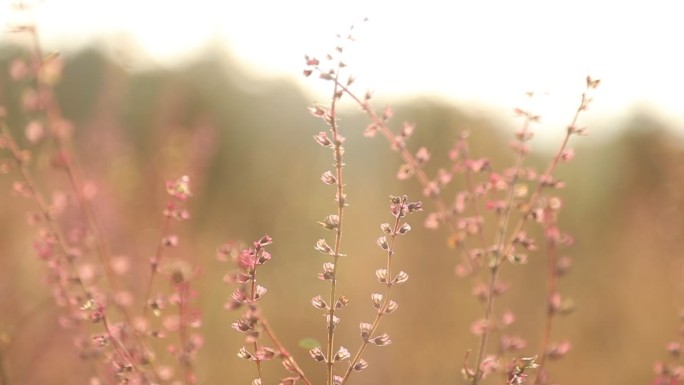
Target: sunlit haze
487 53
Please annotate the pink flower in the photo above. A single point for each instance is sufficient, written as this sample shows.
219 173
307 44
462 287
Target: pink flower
180 188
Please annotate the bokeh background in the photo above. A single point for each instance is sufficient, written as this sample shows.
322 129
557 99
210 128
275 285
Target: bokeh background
237 123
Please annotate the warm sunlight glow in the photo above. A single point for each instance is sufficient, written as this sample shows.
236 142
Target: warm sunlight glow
485 52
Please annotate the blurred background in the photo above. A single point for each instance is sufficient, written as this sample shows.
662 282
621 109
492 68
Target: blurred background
158 90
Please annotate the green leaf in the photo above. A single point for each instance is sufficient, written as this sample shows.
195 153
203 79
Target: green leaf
309 343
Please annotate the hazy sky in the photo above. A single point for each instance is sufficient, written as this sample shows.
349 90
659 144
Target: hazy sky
487 52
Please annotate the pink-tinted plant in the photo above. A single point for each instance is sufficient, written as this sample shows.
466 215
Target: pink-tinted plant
73 264
502 215
252 322
82 272
511 199
331 354
400 206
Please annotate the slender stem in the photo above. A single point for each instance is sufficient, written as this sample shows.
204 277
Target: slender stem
548 173
468 176
507 248
441 207
155 262
55 119
552 282
496 262
186 364
489 307
286 356
383 307
330 362
403 152
253 288
407 156
54 229
118 345
503 248
422 177
43 208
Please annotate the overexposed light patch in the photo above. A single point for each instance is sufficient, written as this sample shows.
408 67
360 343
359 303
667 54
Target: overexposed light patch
484 52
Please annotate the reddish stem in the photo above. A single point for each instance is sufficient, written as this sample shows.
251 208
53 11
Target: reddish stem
286 356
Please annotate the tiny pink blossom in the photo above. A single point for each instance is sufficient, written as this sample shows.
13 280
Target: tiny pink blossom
478 327
388 113
370 131
567 155
179 188
120 264
423 155
311 61
432 221
171 323
34 131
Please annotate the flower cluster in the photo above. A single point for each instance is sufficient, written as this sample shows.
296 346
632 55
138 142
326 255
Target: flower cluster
399 207
334 141
252 323
248 294
381 302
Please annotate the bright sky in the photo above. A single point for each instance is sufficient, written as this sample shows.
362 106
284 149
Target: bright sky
484 52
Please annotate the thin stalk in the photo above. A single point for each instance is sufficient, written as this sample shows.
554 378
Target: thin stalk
286 356
330 363
507 248
408 157
552 283
43 209
155 263
119 346
253 288
548 172
468 176
383 307
403 152
55 229
55 118
495 264
186 365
